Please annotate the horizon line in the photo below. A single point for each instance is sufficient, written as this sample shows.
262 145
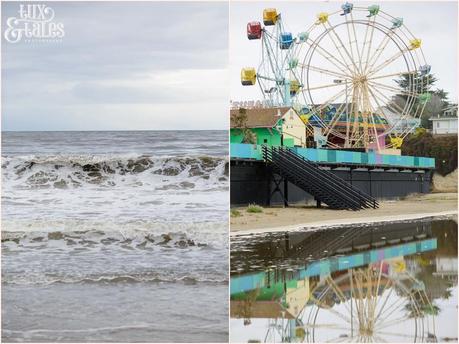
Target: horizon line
93 130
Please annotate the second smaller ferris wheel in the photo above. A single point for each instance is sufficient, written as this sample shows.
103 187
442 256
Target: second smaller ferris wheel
276 75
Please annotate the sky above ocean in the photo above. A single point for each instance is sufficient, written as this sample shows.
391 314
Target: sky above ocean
120 66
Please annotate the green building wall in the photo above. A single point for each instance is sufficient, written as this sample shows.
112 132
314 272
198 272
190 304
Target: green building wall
272 136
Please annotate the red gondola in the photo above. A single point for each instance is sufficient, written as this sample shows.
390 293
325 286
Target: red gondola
254 30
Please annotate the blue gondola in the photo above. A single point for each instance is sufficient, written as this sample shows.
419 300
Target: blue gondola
347 8
286 40
425 69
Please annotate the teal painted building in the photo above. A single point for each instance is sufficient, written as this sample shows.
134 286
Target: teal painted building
264 123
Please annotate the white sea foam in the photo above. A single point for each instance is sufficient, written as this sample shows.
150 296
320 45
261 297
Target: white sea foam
67 171
165 189
103 229
90 233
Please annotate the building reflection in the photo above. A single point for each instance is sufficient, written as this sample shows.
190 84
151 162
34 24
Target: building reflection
372 287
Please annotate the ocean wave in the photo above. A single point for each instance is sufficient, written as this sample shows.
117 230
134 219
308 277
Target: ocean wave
65 171
48 279
129 235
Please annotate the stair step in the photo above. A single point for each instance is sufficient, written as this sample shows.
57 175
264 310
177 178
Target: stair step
322 184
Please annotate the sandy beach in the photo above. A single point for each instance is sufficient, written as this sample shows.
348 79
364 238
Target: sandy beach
298 217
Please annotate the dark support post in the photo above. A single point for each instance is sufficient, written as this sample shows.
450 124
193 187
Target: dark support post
268 195
285 192
369 177
319 203
278 189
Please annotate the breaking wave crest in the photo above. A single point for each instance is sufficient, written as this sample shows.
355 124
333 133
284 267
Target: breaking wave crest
130 235
92 252
48 279
65 171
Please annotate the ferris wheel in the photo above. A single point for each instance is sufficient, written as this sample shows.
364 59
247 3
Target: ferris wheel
370 305
357 76
276 75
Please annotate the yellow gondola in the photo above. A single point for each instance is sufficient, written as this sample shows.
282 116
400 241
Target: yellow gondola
322 18
294 87
305 118
248 76
269 16
415 43
396 142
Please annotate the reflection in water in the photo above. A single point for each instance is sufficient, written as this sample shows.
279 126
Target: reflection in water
387 283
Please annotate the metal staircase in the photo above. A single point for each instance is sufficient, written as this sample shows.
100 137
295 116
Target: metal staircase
325 186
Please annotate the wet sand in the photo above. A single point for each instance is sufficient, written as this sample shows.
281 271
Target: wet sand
298 217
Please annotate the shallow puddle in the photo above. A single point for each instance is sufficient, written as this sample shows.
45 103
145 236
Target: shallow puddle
380 283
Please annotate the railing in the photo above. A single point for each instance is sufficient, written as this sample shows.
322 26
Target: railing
341 157
325 186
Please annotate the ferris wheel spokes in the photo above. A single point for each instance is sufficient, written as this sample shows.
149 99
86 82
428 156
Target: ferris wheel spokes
387 62
351 41
329 101
336 117
381 108
328 56
404 114
377 53
332 29
394 89
273 69
414 72
329 72
324 86
373 122
370 24
356 42
273 62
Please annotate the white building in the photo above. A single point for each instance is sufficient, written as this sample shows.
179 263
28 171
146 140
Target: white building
444 125
446 267
294 127
447 123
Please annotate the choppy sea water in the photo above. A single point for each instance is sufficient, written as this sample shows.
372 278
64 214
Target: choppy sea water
115 236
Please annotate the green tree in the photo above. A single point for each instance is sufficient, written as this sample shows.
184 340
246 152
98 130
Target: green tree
442 148
442 94
423 83
240 122
435 101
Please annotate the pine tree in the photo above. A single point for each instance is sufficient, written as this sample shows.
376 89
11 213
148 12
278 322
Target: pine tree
423 85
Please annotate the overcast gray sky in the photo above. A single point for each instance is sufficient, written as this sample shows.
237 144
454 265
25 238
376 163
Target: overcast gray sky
434 22
120 66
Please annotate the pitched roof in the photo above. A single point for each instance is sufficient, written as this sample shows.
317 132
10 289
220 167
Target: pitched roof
260 117
260 309
442 118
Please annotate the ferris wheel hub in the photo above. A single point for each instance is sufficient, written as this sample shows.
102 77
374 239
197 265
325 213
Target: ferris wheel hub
366 332
360 79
